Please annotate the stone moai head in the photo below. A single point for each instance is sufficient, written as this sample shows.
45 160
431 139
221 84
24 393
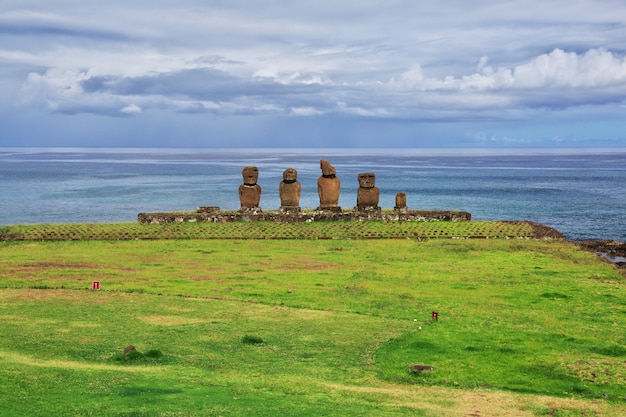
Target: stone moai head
250 175
367 180
290 175
327 169
250 191
289 190
328 187
368 194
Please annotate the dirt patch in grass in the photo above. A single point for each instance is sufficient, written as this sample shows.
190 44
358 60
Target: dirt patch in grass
599 372
163 320
84 325
46 294
203 278
307 265
44 266
20 359
60 265
78 296
476 403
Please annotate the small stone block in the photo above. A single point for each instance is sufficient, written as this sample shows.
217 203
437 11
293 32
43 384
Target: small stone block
208 209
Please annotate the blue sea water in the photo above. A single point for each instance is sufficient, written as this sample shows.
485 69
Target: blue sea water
580 191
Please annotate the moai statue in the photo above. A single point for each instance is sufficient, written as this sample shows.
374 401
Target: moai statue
400 201
250 191
368 194
328 187
289 190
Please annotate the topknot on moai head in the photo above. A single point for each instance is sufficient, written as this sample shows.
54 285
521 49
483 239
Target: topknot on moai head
328 187
290 175
327 169
367 180
250 175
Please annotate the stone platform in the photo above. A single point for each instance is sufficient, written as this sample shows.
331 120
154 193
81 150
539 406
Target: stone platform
214 214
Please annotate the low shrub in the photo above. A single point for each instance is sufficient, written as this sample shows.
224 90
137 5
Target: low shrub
133 355
251 340
153 354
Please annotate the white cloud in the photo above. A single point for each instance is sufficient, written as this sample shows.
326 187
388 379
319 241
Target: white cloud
54 86
594 68
131 109
305 111
595 76
557 69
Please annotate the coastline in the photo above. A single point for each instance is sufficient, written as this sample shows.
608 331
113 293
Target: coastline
612 251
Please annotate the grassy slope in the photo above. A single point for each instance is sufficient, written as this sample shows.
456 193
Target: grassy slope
339 320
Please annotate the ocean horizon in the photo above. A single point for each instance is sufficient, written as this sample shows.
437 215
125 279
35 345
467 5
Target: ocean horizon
579 191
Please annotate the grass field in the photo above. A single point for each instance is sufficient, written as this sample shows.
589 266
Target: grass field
309 326
268 230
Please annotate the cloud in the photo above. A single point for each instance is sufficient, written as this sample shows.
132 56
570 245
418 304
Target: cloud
557 79
557 69
34 24
394 62
131 109
305 111
596 68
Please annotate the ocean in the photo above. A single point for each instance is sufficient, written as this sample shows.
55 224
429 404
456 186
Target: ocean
579 191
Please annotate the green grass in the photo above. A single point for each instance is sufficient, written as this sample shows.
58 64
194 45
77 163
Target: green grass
267 230
310 327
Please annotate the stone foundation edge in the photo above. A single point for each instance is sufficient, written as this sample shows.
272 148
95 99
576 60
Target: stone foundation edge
293 216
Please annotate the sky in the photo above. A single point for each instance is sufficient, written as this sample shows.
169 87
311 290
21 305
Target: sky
280 73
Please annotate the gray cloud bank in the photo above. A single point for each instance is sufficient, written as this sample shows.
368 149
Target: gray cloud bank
557 79
436 62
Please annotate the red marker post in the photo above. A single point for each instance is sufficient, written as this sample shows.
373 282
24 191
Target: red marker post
95 286
435 315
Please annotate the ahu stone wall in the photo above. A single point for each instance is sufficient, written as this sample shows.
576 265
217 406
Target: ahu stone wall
213 214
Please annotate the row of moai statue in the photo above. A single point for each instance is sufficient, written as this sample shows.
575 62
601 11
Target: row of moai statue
328 189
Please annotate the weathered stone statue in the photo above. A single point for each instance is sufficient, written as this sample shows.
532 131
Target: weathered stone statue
400 201
328 187
289 190
368 194
250 191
